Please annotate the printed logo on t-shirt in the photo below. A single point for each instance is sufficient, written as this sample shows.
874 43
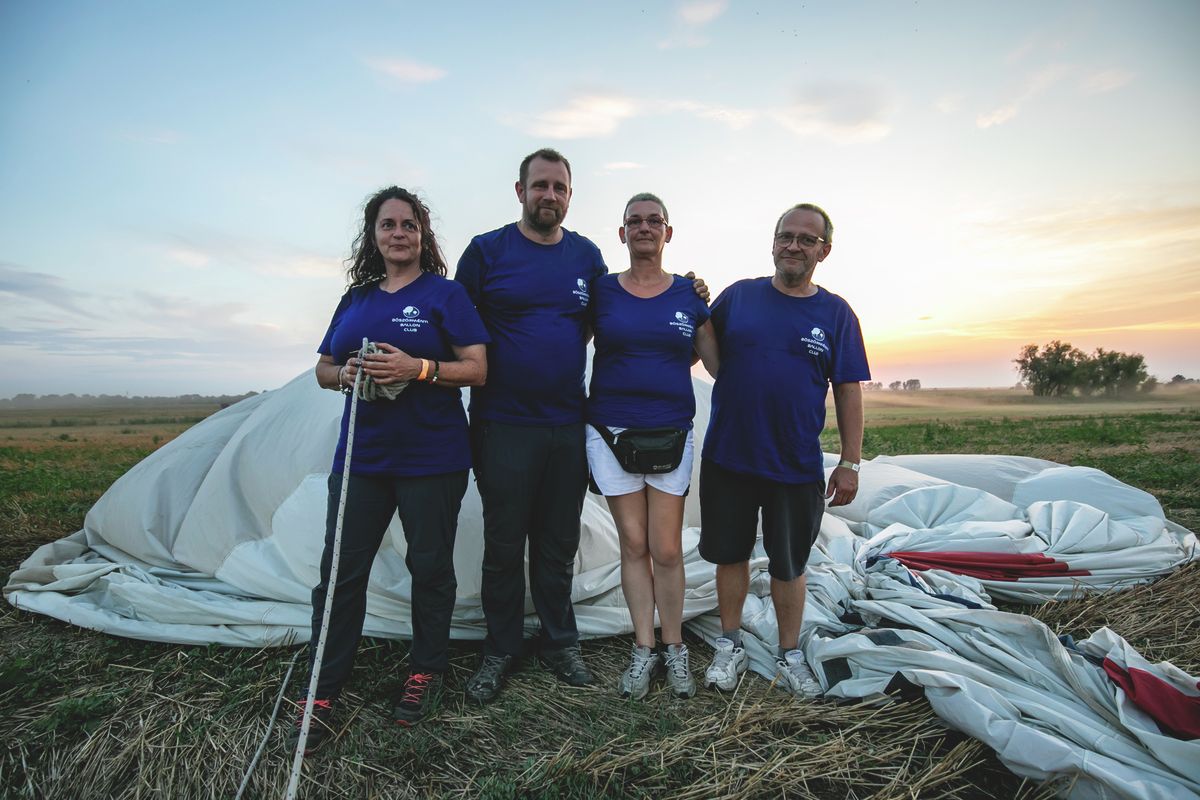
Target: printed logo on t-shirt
816 342
412 320
581 291
684 323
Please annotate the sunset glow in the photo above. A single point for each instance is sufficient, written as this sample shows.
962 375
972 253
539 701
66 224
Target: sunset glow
179 184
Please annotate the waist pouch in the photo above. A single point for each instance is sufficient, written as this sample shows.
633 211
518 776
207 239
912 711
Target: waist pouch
646 451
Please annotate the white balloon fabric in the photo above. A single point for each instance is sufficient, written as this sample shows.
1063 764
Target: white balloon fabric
216 537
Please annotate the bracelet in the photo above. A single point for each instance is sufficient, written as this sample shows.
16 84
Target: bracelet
437 367
341 383
850 465
424 370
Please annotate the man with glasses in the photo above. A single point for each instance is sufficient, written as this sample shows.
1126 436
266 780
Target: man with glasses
783 341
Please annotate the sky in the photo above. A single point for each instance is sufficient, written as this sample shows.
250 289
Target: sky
180 182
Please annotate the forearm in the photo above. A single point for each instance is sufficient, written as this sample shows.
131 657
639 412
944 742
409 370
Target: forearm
328 373
454 374
848 404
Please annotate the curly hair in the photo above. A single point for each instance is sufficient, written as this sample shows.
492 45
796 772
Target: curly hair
365 264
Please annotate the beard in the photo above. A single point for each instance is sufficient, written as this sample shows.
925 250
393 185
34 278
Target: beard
544 223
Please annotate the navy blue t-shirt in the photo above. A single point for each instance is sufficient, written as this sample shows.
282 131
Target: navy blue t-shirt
534 301
424 430
641 373
779 354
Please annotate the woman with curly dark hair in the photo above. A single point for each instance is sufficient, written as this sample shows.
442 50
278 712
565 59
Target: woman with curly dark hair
410 454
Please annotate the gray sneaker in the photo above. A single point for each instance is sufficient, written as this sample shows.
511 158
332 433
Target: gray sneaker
679 671
795 676
635 681
728 664
567 664
487 681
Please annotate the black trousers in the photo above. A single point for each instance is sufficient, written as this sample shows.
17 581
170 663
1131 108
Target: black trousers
532 482
428 508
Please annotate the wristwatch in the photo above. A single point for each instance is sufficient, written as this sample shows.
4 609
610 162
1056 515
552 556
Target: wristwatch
850 465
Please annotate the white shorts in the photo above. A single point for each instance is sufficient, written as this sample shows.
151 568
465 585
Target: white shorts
614 481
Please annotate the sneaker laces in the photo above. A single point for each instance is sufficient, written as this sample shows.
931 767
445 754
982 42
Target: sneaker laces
722 658
415 687
491 669
321 708
677 661
639 664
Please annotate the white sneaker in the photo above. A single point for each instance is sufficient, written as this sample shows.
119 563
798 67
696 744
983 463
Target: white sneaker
728 663
679 671
796 676
635 681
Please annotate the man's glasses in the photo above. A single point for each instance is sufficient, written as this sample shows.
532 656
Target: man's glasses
655 223
805 239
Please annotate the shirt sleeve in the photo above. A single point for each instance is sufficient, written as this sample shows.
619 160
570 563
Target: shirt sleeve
326 347
462 322
719 311
850 354
469 271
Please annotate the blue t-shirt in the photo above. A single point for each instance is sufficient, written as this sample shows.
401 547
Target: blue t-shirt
641 374
778 356
534 301
424 430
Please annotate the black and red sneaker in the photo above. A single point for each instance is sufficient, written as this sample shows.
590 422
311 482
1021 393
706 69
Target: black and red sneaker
417 698
320 729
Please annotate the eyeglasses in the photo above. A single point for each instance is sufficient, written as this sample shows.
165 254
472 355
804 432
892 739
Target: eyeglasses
655 223
805 239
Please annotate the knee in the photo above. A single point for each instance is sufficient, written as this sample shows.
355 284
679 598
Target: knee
430 571
667 556
499 557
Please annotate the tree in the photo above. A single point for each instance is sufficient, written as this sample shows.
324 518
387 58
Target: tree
1052 371
912 385
894 386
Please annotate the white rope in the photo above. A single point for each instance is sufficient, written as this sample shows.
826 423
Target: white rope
298 760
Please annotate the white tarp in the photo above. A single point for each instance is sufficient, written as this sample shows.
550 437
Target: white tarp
216 537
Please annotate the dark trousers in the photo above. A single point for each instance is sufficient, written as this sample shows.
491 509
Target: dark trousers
532 482
428 508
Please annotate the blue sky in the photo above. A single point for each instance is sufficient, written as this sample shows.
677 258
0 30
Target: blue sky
179 183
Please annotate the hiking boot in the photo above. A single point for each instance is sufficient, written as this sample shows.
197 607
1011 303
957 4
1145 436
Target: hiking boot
679 671
417 698
320 729
567 664
795 676
635 681
487 681
728 663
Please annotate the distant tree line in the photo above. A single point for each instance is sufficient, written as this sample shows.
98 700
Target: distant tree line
1059 370
910 385
118 400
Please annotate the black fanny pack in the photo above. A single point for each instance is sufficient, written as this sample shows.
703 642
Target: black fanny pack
646 451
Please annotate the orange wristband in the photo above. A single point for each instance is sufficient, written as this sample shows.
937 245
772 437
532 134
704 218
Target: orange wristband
424 370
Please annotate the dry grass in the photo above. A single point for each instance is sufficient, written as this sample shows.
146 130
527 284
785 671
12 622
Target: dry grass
89 715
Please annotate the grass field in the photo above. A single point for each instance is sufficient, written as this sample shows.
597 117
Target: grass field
89 715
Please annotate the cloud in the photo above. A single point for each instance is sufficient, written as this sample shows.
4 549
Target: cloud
1035 84
207 248
41 288
189 256
700 12
584 117
843 113
1105 81
948 103
735 118
690 18
405 71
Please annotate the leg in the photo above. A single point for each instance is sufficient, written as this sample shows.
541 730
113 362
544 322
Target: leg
788 597
637 577
554 538
665 518
733 581
428 508
369 509
511 462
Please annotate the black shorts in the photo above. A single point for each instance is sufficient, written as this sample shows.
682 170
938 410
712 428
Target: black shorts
729 506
